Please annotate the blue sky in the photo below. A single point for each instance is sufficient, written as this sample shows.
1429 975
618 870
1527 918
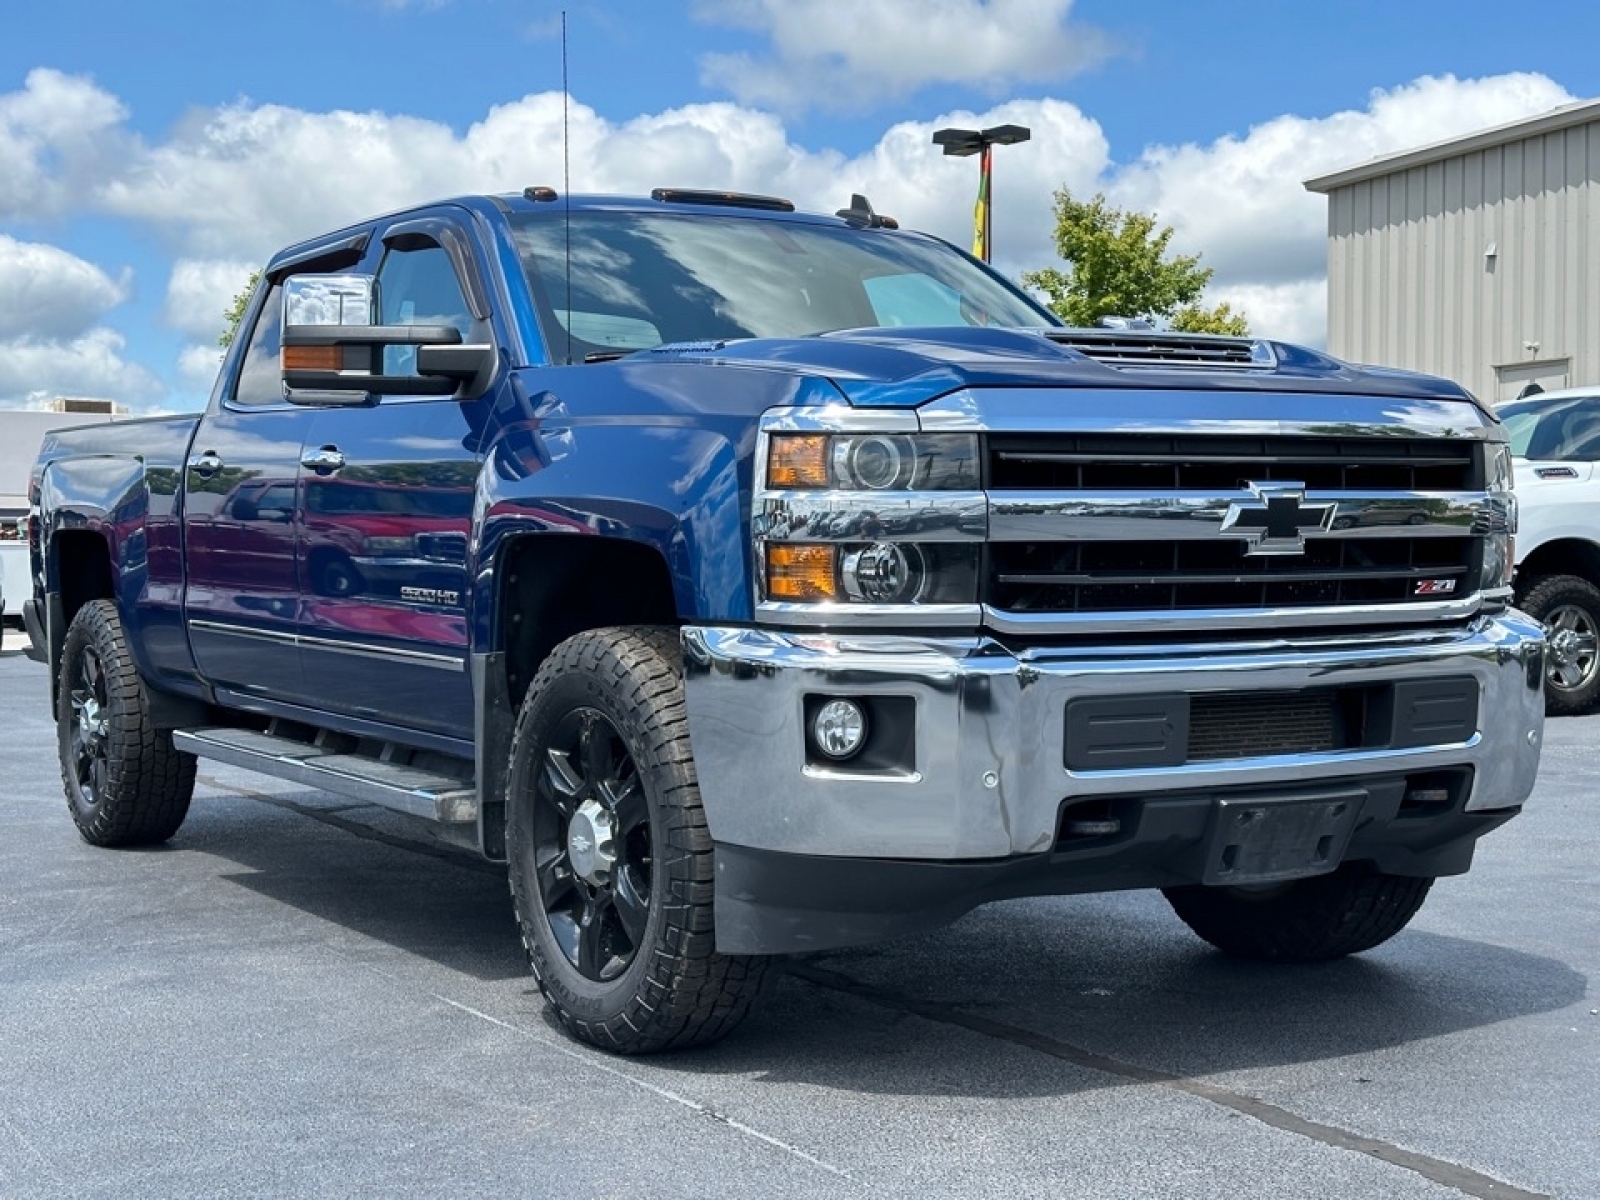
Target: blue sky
152 153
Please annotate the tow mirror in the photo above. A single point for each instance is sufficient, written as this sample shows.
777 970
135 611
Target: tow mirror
329 300
332 353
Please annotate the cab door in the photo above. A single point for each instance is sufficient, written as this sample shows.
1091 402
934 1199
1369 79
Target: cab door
241 591
387 514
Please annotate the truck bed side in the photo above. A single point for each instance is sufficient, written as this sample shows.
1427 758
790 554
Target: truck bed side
106 499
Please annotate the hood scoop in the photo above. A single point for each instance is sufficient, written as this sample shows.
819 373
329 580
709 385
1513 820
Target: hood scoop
1136 348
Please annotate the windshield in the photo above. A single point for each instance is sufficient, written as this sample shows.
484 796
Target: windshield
644 279
1565 430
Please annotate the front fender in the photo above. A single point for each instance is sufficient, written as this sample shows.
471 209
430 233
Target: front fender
679 487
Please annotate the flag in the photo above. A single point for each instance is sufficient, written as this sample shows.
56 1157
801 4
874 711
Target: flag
980 211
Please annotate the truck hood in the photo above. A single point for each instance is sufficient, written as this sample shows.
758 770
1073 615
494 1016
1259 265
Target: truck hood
898 368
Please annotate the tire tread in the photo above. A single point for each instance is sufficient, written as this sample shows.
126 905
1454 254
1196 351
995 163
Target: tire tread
1311 920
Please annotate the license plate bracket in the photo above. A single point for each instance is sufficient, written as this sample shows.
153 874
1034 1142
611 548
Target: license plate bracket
1267 839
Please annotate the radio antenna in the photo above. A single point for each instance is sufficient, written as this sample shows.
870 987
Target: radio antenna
566 181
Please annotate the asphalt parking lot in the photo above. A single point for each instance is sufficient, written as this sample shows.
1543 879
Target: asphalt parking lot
300 996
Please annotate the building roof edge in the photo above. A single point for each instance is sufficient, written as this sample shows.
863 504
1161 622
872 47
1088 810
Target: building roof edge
1581 112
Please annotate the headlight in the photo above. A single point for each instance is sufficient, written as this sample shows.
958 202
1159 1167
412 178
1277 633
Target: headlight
873 462
1499 523
875 573
387 547
860 517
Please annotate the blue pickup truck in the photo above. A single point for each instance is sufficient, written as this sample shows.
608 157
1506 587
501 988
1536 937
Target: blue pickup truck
753 582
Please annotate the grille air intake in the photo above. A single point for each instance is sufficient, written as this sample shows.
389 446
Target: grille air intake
1159 462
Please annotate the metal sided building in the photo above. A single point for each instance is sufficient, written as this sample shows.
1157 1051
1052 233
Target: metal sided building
1476 258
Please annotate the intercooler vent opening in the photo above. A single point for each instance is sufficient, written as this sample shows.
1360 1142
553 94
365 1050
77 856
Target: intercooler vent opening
1266 723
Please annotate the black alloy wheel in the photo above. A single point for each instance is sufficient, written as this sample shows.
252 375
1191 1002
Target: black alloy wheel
126 784
591 846
609 856
88 730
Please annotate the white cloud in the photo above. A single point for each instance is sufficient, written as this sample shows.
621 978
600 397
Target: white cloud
197 368
46 292
835 56
50 344
1240 200
55 134
231 185
32 369
200 291
243 181
1288 312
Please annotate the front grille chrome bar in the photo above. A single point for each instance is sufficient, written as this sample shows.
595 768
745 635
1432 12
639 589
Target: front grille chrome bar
1172 516
1147 623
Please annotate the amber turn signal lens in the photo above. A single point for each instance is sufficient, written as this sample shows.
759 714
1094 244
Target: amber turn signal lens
801 573
798 462
313 358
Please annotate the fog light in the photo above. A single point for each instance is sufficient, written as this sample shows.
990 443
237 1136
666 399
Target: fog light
839 729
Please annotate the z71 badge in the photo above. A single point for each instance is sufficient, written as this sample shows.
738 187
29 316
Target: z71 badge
1435 587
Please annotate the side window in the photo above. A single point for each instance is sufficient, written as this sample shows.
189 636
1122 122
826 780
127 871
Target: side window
419 287
260 379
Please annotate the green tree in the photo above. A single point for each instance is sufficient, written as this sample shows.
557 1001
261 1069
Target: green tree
1118 265
234 313
1195 318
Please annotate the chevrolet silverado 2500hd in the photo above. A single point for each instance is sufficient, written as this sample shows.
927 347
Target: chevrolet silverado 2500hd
753 582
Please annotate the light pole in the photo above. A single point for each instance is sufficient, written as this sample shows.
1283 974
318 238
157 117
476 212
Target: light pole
965 142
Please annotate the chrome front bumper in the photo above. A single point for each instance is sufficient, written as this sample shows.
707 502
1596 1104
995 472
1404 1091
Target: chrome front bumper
989 776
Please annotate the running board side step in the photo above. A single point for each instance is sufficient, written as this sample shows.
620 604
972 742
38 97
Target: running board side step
447 799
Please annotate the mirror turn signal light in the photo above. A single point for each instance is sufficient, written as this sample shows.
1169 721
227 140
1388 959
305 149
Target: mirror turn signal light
313 358
802 573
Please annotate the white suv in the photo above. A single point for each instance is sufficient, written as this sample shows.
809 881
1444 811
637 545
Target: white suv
1555 441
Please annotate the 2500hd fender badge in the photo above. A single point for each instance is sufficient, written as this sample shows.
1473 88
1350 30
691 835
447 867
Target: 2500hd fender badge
422 595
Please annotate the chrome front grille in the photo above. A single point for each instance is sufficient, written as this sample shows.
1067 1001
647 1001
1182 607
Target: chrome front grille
1072 577
1217 528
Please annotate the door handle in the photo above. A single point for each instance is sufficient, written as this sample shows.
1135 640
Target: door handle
205 465
325 461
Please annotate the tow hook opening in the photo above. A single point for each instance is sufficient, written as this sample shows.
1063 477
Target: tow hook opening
1434 793
1095 822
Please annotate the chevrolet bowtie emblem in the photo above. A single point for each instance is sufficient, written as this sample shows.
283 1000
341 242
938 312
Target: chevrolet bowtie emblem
1276 520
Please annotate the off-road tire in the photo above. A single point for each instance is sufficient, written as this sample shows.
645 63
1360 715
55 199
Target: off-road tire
1308 920
676 990
1562 597
125 783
